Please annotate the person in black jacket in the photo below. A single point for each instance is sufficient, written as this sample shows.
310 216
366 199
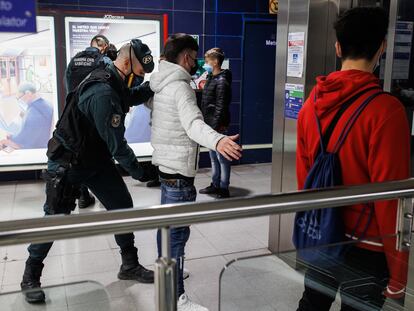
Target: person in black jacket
215 106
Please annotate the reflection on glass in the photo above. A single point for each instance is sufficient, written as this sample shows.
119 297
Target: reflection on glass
285 282
72 296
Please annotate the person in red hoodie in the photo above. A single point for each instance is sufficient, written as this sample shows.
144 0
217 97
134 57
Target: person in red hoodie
377 149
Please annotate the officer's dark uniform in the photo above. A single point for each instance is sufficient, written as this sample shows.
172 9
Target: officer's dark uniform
82 64
87 159
78 68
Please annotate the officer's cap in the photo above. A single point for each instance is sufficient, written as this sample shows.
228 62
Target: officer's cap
143 54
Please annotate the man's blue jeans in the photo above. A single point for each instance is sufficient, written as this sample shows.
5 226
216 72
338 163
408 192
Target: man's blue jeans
183 191
221 170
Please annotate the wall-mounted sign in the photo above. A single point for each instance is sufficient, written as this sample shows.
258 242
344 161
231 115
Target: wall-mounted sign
296 47
294 97
18 16
273 6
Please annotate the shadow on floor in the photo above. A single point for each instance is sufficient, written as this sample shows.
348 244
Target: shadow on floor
236 192
239 192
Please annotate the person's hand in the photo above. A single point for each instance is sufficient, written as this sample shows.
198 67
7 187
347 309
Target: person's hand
229 149
9 143
144 172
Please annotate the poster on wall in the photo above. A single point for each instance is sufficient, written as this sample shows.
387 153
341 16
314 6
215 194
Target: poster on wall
402 51
28 94
296 47
294 97
80 30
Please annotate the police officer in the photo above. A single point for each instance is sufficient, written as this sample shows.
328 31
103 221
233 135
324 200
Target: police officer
85 61
88 135
78 68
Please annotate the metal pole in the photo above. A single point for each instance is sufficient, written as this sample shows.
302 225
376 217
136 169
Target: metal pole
409 297
389 60
165 276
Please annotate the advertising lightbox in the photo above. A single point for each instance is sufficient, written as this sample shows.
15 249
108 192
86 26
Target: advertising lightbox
28 94
78 34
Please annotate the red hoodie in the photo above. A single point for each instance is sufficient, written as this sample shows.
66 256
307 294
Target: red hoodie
377 149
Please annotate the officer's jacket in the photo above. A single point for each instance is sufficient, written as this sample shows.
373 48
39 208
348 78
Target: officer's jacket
103 105
81 65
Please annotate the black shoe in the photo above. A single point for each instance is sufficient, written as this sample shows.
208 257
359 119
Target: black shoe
86 200
132 270
223 194
209 190
153 183
30 284
139 273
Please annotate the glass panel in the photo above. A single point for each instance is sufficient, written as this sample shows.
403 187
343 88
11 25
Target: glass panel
402 85
276 282
73 296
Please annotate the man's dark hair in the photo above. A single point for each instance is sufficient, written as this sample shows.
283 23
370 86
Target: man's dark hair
112 52
178 43
360 32
100 41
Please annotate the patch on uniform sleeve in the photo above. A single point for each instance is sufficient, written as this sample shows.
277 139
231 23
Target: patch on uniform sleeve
116 120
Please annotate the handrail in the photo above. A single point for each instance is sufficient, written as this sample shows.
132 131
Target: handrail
173 215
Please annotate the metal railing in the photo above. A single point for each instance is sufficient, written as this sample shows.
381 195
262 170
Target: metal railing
45 229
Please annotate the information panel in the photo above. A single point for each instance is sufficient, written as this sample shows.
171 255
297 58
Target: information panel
119 31
28 94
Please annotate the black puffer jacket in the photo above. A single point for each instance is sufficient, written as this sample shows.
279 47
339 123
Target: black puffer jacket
215 103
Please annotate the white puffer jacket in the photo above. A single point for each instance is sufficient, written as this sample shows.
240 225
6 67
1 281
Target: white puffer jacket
178 127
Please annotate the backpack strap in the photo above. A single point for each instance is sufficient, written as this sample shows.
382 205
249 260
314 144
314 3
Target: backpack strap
351 121
324 138
97 75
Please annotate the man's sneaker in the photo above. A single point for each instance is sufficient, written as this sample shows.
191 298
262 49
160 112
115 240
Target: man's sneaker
86 200
223 194
185 304
209 190
30 284
186 274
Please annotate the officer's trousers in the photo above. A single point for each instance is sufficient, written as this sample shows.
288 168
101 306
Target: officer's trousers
110 189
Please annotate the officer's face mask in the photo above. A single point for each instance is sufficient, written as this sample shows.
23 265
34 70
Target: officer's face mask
132 79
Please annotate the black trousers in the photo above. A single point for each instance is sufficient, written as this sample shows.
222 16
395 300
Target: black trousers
110 189
361 281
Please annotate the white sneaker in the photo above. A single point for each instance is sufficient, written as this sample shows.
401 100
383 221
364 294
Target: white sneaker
186 274
185 304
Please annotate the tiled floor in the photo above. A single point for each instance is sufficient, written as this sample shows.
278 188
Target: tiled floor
211 246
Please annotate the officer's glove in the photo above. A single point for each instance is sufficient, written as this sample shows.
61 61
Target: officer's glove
145 172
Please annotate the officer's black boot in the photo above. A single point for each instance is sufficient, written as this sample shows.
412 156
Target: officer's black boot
30 284
131 268
85 199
